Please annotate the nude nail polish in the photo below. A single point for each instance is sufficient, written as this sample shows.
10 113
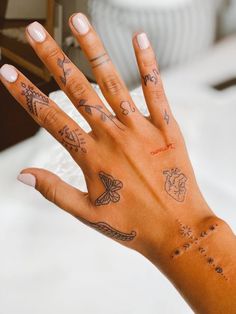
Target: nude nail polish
36 32
9 73
143 41
80 23
27 179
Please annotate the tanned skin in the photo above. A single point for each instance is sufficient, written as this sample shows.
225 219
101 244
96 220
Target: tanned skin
142 191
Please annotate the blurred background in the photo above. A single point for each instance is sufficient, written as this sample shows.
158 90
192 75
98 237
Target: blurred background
180 30
49 262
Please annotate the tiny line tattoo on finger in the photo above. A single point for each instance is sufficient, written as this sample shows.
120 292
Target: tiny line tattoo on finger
97 65
98 57
111 186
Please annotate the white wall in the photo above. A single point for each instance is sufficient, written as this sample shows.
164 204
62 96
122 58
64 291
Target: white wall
228 19
26 9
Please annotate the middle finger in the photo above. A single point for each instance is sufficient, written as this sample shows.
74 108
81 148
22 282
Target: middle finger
71 80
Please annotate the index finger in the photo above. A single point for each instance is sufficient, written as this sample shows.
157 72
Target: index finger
45 112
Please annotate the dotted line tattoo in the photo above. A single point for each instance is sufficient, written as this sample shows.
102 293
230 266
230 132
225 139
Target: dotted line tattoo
109 231
111 186
72 139
103 115
151 77
195 241
126 108
34 100
175 184
65 72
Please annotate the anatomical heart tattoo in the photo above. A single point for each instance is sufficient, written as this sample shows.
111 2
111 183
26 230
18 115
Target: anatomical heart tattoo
175 184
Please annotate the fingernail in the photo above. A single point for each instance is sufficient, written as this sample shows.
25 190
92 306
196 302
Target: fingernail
9 73
37 32
27 179
80 23
143 41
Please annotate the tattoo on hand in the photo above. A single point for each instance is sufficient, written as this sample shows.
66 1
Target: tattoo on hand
72 139
166 117
34 100
126 107
65 72
111 186
175 184
151 77
103 115
185 231
195 241
99 60
163 149
109 231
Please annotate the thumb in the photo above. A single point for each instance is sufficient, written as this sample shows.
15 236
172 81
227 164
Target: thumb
57 191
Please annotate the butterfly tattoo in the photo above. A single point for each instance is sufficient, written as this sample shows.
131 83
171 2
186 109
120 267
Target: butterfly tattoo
111 186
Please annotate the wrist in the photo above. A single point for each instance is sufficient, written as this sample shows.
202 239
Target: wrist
180 235
164 230
198 260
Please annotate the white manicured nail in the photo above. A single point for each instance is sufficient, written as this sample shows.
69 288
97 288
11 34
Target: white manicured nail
27 179
143 41
80 23
9 73
37 32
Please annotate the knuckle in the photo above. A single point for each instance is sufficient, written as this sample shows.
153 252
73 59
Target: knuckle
49 116
76 88
158 94
114 136
112 85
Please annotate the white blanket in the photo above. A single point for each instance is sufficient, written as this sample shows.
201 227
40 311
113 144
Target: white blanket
51 263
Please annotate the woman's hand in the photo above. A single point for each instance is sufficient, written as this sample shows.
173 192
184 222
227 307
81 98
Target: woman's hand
141 187
137 171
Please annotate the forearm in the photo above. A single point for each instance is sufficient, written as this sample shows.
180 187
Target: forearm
200 262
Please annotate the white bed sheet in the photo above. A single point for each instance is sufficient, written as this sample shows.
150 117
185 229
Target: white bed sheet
51 263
